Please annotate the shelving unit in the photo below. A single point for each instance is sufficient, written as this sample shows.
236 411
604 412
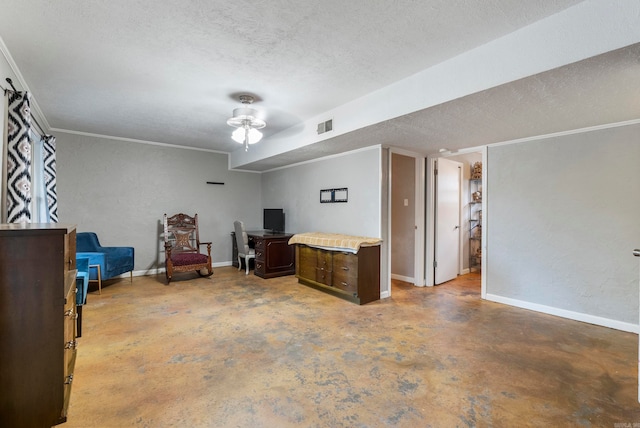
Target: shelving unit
475 218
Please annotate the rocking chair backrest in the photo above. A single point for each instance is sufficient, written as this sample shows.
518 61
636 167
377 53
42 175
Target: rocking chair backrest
181 231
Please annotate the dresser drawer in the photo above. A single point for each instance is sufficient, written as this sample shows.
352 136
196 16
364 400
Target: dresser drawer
324 259
259 244
345 272
324 276
259 267
346 263
70 332
259 249
68 381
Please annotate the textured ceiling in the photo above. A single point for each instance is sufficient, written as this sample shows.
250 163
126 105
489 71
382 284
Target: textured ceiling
170 71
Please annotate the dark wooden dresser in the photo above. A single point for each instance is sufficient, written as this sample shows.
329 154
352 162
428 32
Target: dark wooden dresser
352 276
37 323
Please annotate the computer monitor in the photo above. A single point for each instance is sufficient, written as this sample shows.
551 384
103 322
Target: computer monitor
273 219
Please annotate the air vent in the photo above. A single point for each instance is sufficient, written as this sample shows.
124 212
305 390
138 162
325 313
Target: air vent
325 126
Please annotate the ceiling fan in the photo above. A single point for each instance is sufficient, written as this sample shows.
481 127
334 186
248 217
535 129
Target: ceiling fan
245 120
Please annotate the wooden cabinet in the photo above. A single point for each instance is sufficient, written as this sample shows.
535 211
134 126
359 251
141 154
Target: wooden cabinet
37 323
274 256
355 277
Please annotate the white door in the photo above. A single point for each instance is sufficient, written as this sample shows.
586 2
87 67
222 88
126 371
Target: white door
447 220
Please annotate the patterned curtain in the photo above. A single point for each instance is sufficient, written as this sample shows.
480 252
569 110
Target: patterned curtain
49 148
30 189
18 158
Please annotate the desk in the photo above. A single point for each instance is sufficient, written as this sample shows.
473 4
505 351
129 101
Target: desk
274 256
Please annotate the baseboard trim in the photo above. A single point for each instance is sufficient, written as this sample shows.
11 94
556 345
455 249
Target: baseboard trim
408 279
576 316
162 270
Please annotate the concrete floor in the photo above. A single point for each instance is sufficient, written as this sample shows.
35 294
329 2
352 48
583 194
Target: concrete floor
239 351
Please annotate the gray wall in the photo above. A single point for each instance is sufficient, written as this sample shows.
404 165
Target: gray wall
562 221
297 190
403 186
120 190
363 172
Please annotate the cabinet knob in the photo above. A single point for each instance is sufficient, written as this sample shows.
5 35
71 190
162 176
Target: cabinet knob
345 268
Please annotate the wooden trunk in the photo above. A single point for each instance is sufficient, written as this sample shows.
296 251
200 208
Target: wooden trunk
355 277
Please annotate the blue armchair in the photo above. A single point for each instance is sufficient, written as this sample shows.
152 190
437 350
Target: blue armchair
104 262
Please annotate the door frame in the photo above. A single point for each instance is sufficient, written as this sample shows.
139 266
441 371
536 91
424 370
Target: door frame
430 213
419 247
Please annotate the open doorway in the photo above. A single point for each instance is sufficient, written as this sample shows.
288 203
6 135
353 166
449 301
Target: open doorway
470 218
406 217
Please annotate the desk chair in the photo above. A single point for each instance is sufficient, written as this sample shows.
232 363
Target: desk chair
242 241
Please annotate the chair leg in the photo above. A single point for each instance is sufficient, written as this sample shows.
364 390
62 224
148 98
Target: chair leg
239 263
131 276
99 281
99 275
246 262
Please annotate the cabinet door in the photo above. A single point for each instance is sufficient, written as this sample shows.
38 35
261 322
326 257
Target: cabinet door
345 272
324 267
306 262
279 255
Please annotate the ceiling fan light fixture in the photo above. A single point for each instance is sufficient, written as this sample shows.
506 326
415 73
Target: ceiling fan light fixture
247 121
251 134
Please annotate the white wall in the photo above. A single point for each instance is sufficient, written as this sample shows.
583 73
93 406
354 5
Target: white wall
561 224
121 190
297 190
363 172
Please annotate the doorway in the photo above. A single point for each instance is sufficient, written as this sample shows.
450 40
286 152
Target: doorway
467 158
406 217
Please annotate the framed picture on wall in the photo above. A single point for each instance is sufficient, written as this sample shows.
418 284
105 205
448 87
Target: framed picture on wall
334 195
326 196
340 195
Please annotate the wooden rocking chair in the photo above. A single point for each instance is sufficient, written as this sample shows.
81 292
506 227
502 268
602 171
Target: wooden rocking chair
182 246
